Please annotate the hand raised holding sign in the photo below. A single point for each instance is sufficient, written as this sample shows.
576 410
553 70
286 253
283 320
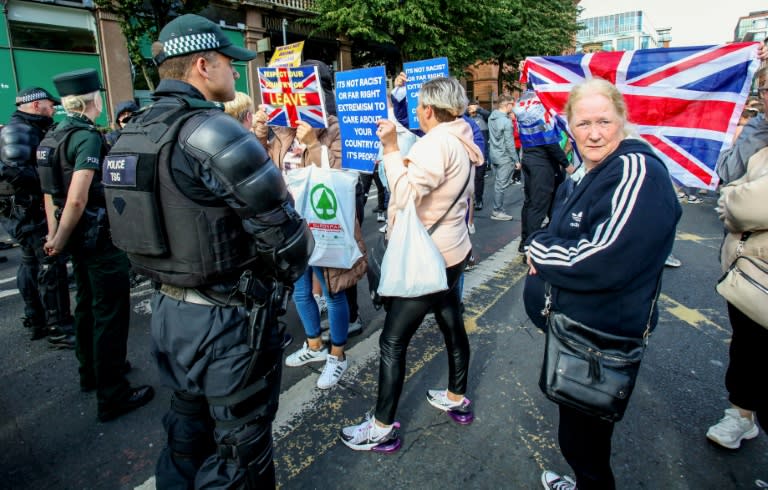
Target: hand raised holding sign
387 134
260 119
305 133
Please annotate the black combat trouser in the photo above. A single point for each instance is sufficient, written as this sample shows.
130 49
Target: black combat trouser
102 314
203 355
43 285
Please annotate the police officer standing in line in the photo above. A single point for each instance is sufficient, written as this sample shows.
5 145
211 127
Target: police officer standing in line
42 280
69 160
201 209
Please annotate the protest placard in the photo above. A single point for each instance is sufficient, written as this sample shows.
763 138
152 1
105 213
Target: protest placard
292 95
418 72
288 55
361 100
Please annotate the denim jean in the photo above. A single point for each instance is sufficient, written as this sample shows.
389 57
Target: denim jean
501 174
338 309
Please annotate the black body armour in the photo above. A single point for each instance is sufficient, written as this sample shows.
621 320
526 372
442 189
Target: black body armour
56 170
168 237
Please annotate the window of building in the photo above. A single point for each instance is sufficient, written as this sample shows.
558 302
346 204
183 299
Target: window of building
51 28
607 45
470 86
625 44
645 42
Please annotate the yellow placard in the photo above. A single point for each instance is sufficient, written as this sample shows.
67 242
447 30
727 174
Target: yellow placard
288 55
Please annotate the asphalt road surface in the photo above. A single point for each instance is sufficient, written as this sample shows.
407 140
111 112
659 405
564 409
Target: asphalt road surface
51 439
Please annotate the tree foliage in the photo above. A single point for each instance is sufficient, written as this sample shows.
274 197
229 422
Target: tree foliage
525 28
464 31
395 31
142 19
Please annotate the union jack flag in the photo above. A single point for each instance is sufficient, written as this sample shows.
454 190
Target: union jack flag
685 102
292 94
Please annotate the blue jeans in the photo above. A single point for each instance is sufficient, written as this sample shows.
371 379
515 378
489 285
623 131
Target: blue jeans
502 174
338 309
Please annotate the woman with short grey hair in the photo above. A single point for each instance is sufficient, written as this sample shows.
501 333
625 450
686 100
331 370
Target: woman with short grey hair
436 174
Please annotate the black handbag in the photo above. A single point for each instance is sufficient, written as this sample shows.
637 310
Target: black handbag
376 254
588 369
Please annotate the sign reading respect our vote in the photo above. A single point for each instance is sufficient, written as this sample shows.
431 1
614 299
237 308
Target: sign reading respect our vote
292 94
418 72
361 100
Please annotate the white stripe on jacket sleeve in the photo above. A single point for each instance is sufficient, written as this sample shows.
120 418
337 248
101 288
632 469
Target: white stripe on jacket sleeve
606 233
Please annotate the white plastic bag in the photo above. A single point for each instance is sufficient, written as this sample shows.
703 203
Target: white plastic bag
325 197
412 265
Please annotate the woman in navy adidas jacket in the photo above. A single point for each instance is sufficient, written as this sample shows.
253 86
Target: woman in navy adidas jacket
603 253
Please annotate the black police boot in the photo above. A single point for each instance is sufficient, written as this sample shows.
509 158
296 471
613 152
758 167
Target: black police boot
136 398
61 336
38 331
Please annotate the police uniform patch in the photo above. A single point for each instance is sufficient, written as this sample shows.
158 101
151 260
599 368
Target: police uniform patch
120 170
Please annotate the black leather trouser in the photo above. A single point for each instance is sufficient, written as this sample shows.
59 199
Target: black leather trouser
403 319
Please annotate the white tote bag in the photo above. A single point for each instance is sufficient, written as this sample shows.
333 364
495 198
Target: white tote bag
325 198
412 265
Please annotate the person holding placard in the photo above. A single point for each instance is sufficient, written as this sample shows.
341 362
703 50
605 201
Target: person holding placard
436 174
292 148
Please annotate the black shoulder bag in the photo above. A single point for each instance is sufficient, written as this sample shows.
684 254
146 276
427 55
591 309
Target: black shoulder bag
376 253
588 369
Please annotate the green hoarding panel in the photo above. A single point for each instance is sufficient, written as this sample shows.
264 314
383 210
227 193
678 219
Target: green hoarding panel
7 87
37 68
241 84
3 31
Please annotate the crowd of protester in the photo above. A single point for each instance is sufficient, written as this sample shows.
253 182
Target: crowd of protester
218 184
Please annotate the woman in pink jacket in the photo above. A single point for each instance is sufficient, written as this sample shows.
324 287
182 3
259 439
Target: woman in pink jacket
435 172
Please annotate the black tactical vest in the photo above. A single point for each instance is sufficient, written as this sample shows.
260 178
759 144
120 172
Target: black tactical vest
168 237
56 170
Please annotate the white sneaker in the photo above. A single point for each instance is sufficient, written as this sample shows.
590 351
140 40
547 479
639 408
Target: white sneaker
383 229
332 372
322 304
732 429
672 261
471 227
501 216
305 355
366 436
439 399
553 481
381 217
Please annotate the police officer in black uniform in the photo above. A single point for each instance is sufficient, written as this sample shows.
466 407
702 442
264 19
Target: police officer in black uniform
69 162
42 280
201 209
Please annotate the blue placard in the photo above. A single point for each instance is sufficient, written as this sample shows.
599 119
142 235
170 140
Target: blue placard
361 100
418 72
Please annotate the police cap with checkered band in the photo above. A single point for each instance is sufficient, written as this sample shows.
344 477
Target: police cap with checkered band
192 33
35 93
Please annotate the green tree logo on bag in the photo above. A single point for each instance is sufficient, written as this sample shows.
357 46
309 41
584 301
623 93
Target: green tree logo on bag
323 202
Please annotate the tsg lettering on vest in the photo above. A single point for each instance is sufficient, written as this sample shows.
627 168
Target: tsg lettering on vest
120 170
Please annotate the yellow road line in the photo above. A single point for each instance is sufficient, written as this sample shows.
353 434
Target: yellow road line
690 316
